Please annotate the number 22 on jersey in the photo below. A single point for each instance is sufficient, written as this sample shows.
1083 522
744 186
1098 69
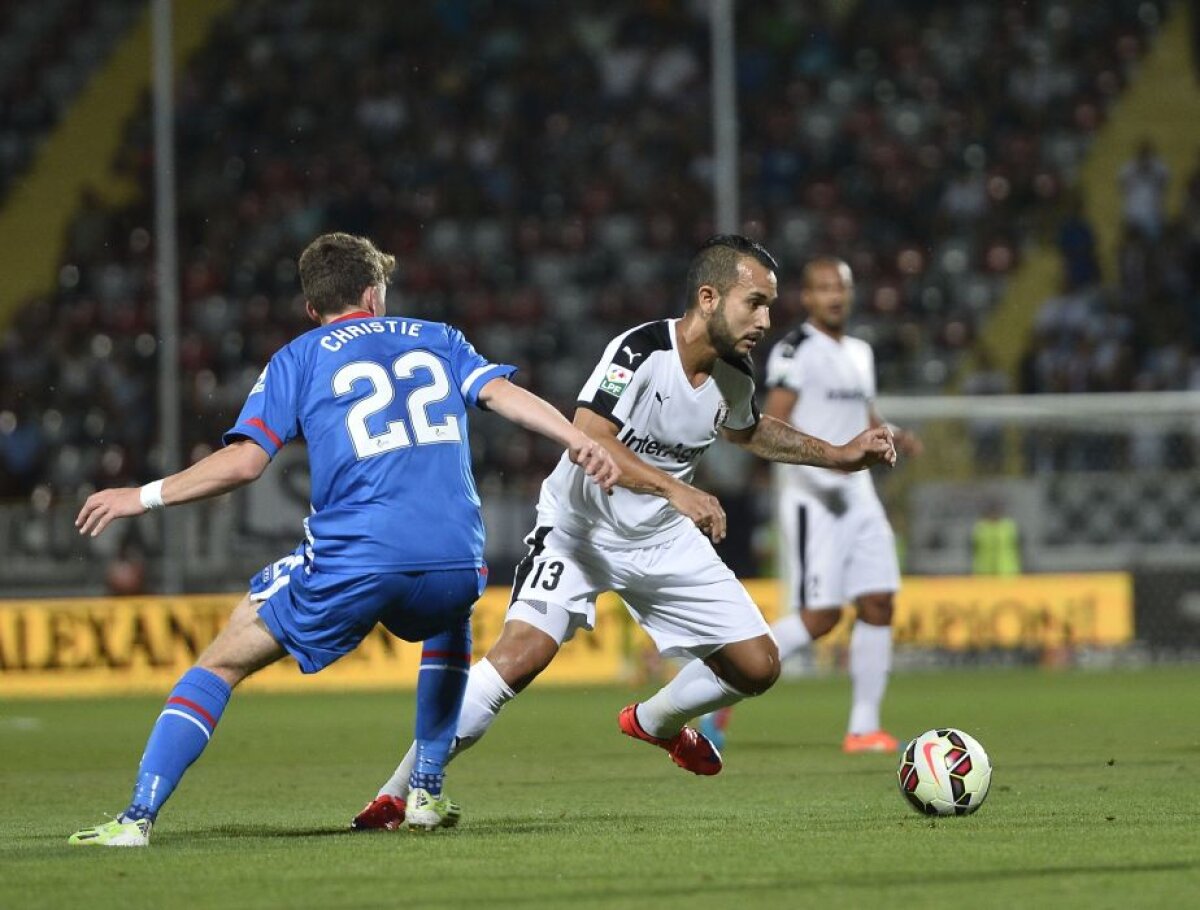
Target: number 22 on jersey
383 391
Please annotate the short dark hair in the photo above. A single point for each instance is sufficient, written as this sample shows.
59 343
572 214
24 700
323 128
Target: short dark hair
822 262
336 268
715 263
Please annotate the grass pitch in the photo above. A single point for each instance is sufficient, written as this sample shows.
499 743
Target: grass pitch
1094 803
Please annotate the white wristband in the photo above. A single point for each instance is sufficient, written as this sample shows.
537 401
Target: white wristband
151 495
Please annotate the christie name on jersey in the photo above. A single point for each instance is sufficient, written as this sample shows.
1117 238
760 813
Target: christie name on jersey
647 445
337 338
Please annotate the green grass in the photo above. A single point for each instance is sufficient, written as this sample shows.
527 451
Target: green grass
1094 803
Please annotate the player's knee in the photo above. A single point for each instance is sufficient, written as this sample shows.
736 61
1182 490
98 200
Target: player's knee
766 673
521 653
756 671
231 675
220 660
820 623
876 609
241 649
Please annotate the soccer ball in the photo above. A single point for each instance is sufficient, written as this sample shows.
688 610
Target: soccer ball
945 772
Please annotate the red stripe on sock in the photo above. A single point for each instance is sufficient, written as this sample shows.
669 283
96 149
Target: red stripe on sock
188 703
446 655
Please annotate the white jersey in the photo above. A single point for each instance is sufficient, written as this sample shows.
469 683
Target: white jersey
835 540
640 385
835 384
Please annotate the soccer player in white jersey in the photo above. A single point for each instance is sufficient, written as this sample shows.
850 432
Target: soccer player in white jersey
658 398
836 544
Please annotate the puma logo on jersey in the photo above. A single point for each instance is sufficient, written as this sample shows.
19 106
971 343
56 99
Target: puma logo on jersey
629 353
661 399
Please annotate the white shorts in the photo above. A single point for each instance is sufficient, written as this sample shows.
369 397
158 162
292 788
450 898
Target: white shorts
828 559
679 591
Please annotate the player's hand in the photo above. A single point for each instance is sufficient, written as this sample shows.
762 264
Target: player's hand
702 508
868 448
596 462
102 508
908 443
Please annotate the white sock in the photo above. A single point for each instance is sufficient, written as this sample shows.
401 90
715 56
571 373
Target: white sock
397 784
695 690
791 634
870 663
486 694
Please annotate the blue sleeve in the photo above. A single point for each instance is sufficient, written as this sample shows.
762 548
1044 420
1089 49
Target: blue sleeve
471 372
271 415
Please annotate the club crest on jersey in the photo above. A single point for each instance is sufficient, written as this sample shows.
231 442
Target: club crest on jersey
261 382
722 414
616 379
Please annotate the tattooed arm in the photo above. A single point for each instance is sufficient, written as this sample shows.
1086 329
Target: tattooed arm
775 440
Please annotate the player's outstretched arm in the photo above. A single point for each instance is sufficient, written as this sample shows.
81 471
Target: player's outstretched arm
639 477
226 469
527 410
775 440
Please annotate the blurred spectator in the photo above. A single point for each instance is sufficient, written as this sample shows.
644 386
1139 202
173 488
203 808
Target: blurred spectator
126 577
965 199
1077 243
995 542
1143 182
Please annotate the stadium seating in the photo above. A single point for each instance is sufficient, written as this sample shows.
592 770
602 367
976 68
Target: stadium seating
541 170
47 51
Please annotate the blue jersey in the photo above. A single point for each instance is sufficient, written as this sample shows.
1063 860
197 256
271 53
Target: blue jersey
382 403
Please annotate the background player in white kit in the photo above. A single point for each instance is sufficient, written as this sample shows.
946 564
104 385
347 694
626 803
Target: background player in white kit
658 398
836 545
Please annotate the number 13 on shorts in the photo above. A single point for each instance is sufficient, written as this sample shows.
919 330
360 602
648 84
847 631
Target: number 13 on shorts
550 578
548 574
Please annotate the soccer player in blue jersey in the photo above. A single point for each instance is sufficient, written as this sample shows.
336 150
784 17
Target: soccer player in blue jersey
395 535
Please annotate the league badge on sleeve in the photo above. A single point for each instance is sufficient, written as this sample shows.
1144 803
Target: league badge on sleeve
616 380
261 382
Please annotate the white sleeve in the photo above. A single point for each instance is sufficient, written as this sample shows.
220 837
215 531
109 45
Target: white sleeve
743 411
785 367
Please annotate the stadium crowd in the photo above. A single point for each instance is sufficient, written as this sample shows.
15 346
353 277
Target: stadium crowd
542 171
47 52
1142 331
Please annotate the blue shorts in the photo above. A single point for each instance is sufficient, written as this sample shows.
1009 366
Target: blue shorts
319 617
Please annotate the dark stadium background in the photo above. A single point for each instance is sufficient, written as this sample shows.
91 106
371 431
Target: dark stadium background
1016 185
543 171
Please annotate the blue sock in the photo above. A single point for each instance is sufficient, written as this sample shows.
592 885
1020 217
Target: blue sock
180 734
445 662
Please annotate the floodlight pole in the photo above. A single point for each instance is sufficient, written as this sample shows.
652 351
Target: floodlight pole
167 268
724 114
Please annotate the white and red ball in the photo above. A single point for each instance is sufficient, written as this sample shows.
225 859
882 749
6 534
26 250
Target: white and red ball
945 772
